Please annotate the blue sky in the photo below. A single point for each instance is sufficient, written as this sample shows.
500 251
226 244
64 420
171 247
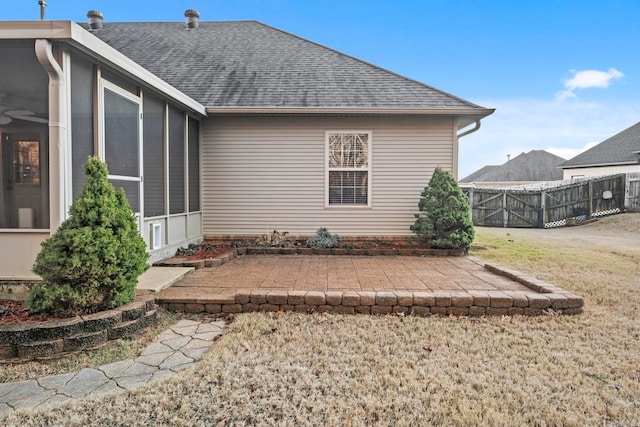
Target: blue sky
562 74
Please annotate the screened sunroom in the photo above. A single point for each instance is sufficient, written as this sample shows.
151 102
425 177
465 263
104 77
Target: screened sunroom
65 96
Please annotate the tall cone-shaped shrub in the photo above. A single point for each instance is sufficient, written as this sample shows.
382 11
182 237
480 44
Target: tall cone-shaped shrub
444 214
93 260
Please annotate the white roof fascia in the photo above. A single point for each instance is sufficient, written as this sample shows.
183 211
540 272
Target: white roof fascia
471 114
35 30
350 110
83 39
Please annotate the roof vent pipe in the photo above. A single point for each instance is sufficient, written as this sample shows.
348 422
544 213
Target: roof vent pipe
193 18
43 5
96 20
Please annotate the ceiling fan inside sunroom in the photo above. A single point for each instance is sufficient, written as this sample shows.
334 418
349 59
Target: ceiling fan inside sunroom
8 115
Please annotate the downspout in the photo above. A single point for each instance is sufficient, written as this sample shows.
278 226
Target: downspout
57 133
455 147
472 130
455 144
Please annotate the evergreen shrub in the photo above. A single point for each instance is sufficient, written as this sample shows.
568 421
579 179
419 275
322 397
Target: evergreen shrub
444 220
93 260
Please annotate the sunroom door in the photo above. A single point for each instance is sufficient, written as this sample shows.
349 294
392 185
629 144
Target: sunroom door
25 178
122 143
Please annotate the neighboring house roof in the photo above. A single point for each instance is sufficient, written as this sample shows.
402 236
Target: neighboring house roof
473 177
621 149
249 64
536 165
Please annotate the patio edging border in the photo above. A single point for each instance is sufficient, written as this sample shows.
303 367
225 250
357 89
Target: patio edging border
37 340
233 253
543 298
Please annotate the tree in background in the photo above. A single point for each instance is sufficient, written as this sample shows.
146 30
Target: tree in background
93 260
444 220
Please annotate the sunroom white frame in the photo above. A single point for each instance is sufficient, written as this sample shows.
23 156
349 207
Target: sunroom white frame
103 86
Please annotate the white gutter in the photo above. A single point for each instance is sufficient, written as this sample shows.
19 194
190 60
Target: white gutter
57 132
472 130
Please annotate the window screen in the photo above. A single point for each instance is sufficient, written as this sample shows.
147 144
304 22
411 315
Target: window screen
153 131
121 123
194 165
131 191
82 87
176 162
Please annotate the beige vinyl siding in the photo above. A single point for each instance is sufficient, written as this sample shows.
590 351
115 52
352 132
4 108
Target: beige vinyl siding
266 173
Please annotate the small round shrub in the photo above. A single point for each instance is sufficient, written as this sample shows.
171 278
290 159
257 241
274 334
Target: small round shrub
92 262
444 220
323 239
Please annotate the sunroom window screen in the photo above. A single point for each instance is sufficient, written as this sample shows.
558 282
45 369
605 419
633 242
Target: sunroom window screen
154 164
82 83
176 161
121 134
348 168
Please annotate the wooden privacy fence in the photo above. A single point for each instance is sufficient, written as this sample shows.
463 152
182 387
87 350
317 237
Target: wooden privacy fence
547 208
633 192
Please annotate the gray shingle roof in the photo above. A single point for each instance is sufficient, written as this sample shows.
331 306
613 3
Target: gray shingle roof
249 64
473 177
617 150
536 165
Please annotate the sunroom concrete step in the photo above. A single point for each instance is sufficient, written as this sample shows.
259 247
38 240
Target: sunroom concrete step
157 278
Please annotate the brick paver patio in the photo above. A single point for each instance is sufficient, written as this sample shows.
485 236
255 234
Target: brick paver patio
365 284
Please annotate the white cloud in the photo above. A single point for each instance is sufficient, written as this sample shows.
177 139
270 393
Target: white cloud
570 152
520 126
587 79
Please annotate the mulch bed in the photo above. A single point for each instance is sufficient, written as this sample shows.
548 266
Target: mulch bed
212 248
206 252
15 311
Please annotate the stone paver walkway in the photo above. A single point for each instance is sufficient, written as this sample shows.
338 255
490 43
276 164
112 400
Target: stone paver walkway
171 351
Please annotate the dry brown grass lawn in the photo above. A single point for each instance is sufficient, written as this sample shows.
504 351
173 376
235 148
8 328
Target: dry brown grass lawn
291 369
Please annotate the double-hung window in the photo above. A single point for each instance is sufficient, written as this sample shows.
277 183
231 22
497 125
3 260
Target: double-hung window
348 181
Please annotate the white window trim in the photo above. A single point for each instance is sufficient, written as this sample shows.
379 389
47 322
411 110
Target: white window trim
368 169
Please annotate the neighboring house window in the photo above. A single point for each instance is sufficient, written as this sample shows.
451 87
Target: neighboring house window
348 168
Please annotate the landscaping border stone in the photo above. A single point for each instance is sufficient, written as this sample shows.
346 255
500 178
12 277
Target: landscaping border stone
33 340
260 250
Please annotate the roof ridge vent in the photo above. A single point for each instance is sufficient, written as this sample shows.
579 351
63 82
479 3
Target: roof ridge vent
96 20
193 18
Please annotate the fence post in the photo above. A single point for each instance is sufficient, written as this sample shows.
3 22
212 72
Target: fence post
543 203
625 185
471 204
505 214
590 205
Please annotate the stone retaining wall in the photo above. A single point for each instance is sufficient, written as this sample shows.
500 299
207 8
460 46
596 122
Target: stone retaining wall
31 340
472 303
